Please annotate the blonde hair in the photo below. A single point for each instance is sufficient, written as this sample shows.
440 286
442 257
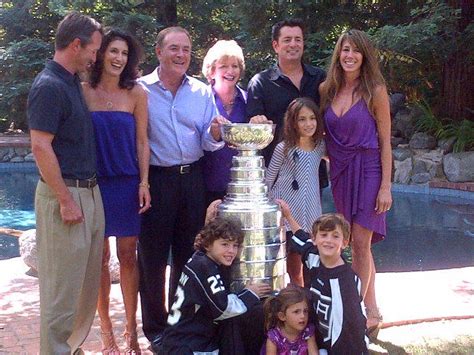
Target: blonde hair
370 75
221 50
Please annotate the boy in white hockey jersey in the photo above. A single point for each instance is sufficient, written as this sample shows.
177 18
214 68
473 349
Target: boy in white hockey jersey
334 287
201 299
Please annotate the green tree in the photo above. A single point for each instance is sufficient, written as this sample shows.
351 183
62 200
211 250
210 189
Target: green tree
431 56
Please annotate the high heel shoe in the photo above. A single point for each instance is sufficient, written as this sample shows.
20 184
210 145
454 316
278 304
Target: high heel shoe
131 339
372 332
109 346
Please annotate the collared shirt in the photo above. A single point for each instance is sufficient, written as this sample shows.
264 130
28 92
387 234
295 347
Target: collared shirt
56 105
217 164
179 125
270 92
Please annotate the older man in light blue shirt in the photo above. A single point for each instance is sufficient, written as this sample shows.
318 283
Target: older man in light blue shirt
179 125
183 122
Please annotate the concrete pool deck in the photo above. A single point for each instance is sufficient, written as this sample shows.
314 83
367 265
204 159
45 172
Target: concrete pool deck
405 298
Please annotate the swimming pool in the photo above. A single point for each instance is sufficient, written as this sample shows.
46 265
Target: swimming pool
425 232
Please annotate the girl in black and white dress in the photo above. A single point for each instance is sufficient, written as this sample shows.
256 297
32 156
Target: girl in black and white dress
293 173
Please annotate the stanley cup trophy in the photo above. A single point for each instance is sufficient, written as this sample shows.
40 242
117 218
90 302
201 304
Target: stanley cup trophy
263 256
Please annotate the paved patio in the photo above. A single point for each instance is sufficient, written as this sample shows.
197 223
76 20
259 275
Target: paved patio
405 298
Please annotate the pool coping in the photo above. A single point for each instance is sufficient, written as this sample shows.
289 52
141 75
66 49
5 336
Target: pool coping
417 189
427 190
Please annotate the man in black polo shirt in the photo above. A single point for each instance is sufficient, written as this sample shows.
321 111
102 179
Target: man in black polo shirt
271 91
68 205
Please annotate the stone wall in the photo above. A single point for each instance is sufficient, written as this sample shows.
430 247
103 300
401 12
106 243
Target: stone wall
419 158
15 154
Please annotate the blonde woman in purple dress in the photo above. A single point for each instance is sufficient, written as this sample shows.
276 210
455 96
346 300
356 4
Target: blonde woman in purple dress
357 120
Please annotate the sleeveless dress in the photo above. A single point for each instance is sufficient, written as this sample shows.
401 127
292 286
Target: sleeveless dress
299 346
355 166
117 171
303 167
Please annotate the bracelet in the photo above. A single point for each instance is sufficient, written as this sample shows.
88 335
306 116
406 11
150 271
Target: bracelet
144 184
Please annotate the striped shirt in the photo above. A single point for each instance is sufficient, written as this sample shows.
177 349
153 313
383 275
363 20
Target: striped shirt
303 167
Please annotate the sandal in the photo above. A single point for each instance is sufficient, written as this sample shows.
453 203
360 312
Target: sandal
131 339
109 346
372 332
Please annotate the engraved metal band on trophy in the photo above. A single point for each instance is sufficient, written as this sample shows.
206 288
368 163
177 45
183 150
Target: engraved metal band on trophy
263 255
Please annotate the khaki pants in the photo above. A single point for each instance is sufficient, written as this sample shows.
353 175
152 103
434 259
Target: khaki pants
69 266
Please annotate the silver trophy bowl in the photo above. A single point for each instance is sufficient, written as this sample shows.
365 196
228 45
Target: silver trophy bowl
263 256
247 136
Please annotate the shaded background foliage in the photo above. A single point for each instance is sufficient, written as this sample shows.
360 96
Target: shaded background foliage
426 47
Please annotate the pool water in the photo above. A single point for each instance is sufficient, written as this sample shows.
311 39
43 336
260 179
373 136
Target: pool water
17 190
425 232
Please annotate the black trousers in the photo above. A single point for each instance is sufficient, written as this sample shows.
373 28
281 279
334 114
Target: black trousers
171 224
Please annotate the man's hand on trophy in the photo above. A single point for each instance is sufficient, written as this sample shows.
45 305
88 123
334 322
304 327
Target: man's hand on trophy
215 126
260 119
259 288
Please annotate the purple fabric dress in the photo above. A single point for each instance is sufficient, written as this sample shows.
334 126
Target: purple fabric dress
284 346
355 166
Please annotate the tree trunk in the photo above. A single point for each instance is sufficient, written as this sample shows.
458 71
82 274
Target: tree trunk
170 13
457 94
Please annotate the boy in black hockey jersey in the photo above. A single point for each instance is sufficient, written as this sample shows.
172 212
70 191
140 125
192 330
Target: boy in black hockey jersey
334 286
201 299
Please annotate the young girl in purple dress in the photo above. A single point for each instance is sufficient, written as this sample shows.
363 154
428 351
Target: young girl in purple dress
286 322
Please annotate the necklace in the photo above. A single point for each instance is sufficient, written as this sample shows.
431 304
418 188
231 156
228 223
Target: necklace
230 105
106 97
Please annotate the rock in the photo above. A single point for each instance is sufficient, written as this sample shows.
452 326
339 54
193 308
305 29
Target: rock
21 152
395 141
459 167
421 140
421 178
404 122
397 101
403 171
433 161
419 166
29 157
3 152
401 153
8 154
29 254
447 144
28 251
17 160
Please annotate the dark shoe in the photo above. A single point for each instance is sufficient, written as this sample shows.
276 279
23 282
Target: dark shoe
155 344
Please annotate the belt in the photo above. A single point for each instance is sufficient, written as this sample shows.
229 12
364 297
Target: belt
85 183
176 169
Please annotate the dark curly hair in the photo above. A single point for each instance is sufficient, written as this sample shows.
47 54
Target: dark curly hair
225 228
135 53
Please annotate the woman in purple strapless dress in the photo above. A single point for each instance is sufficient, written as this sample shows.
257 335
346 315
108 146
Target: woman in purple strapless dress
357 117
120 115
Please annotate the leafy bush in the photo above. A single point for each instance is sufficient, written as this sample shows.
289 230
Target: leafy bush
427 121
19 64
463 132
